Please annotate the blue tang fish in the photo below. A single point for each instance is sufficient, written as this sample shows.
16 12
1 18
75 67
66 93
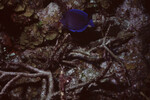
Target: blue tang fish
76 20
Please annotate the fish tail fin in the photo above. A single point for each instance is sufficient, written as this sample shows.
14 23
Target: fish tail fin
91 23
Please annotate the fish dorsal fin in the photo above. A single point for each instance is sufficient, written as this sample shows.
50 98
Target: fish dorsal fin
79 12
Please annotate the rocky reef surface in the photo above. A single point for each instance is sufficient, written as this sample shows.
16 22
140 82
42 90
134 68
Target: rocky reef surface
42 60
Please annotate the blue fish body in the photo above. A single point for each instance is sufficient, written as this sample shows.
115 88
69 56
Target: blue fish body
76 20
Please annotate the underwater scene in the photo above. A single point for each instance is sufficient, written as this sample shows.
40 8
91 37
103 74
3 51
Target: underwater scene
74 50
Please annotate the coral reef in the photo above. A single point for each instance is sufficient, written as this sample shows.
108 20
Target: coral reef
42 60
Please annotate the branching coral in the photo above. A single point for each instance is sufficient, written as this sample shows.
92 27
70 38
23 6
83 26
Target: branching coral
65 53
46 93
